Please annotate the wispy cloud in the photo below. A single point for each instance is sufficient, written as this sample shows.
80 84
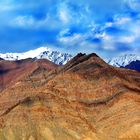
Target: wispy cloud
81 25
24 21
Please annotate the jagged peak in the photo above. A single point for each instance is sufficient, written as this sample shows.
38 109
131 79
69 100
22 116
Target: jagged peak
84 54
93 55
83 57
84 62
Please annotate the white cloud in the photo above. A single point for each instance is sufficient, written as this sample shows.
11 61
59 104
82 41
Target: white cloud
24 21
133 4
64 16
122 20
5 8
118 21
29 22
127 39
63 13
73 40
64 32
12 6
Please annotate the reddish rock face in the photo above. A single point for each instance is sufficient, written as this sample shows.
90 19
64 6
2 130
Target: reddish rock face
12 71
86 99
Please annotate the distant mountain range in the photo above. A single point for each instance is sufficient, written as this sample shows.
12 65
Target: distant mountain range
135 65
130 61
39 53
123 60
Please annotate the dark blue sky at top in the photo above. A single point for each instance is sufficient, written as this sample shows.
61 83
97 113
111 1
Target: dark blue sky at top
107 27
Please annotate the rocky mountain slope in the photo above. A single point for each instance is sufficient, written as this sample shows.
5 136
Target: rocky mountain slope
86 99
12 71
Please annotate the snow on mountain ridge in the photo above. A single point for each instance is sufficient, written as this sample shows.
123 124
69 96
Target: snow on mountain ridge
39 53
62 58
24 55
123 60
55 56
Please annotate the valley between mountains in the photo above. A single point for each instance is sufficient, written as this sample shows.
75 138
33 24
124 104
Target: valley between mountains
85 99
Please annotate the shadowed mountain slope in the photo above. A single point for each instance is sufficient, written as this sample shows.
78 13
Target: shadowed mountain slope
86 99
135 65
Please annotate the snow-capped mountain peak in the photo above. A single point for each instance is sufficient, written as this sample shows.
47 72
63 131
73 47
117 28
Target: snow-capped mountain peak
62 58
39 53
123 60
34 53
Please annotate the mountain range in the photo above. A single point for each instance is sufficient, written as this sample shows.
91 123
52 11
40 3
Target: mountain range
134 65
39 53
129 61
85 99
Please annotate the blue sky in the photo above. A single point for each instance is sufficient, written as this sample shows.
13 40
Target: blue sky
107 27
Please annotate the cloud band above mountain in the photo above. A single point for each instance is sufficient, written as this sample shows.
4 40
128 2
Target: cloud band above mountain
107 28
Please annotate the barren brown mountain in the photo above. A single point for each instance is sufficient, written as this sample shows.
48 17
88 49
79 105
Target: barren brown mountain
86 99
12 71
